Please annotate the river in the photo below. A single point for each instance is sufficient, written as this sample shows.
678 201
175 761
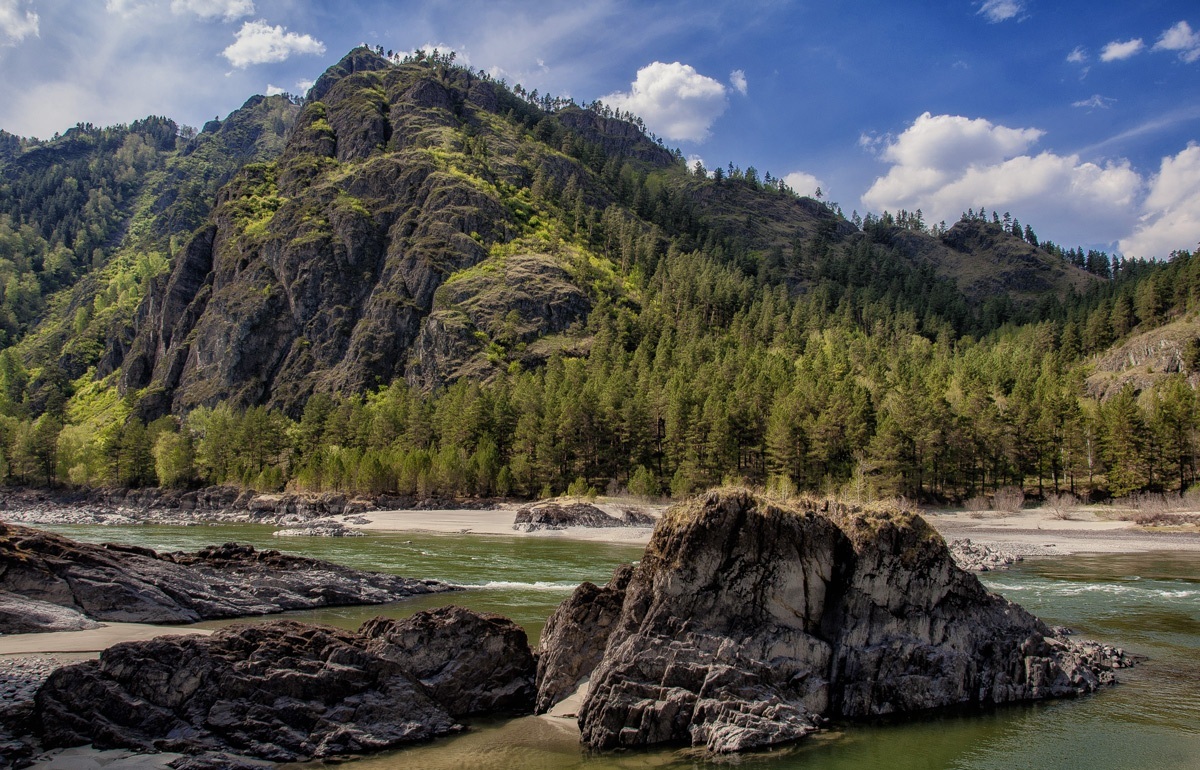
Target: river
1147 603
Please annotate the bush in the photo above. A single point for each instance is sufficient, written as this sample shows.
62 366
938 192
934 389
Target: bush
977 504
1060 504
1008 499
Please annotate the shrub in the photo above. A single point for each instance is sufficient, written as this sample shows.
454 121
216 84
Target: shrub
1060 504
1008 499
977 504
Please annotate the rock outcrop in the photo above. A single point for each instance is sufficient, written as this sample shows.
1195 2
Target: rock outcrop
575 636
749 623
288 691
539 516
131 584
472 663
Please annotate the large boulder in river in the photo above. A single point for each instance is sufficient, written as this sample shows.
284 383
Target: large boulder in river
748 623
132 584
288 691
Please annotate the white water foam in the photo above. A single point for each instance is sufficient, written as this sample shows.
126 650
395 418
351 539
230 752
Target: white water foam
514 585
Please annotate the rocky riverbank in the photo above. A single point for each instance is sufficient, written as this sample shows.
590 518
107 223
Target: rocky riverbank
980 557
210 504
287 691
749 623
49 582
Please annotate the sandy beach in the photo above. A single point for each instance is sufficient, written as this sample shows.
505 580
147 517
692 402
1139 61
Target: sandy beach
1041 532
1031 532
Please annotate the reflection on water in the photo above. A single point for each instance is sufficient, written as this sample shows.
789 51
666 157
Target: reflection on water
1147 603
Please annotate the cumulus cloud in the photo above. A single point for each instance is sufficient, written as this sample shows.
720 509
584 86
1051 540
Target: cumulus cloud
273 90
674 99
737 79
1078 55
1095 102
302 86
996 11
260 43
211 9
803 182
945 164
1118 50
16 23
1180 38
1171 212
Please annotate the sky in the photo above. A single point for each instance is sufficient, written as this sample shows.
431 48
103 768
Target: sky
1082 119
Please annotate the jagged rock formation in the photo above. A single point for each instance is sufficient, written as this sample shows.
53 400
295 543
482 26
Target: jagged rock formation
132 584
575 636
288 691
747 623
470 662
1146 359
516 301
318 272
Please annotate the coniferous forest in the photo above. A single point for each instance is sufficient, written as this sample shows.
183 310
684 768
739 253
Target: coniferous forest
534 297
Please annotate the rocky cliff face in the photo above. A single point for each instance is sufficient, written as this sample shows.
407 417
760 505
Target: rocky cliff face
68 583
288 691
747 623
318 272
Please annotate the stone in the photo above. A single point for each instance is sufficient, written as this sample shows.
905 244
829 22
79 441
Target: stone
282 691
749 623
575 636
136 585
532 518
471 662
286 691
22 615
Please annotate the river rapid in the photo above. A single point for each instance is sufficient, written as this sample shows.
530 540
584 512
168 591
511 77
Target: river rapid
1147 603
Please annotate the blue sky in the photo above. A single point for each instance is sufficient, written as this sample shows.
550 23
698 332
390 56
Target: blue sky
1080 118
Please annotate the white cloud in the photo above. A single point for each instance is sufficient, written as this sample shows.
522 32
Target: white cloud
1171 212
16 24
302 86
737 79
273 90
1095 102
1180 38
211 9
259 43
946 164
674 100
1077 56
124 7
804 183
1118 50
996 11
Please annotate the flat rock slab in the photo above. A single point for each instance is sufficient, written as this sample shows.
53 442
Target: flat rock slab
136 585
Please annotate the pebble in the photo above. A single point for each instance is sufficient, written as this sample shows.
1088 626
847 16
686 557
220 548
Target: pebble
20 677
981 558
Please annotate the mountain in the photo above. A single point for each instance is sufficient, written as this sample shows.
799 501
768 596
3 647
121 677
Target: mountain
420 213
421 279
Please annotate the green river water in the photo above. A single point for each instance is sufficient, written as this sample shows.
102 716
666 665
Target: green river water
1147 603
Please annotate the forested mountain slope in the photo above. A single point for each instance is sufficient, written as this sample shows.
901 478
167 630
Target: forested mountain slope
441 284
